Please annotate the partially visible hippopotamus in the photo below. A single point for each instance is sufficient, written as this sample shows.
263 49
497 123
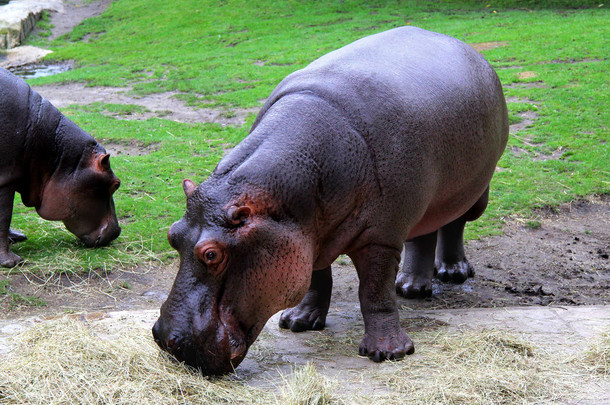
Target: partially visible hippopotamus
56 167
386 144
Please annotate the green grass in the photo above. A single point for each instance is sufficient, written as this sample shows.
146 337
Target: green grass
4 287
16 300
233 53
23 300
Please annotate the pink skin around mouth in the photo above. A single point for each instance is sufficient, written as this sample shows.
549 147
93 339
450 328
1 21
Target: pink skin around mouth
237 344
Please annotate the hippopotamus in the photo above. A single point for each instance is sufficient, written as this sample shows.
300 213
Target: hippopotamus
384 145
55 166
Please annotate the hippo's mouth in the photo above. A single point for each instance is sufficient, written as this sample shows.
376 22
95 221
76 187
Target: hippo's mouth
225 359
100 237
237 336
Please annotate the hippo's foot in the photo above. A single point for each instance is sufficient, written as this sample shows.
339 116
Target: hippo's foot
413 289
304 317
380 348
454 273
9 259
311 312
15 236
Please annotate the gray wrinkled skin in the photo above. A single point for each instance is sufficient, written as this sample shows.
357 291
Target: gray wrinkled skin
385 144
55 166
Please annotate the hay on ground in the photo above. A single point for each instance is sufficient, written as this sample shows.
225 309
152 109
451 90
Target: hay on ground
596 359
477 367
65 362
305 386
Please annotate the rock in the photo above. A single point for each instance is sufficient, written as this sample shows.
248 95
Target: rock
22 55
544 290
18 18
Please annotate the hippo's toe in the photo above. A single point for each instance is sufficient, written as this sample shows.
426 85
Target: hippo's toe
414 285
413 291
9 259
454 273
383 348
302 318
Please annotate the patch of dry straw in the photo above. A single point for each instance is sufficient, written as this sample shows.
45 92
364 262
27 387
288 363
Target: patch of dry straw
65 362
305 386
477 367
596 359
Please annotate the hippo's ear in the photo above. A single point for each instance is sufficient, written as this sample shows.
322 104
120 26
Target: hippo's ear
238 215
189 187
102 162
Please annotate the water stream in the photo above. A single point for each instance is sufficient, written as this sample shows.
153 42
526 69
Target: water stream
34 70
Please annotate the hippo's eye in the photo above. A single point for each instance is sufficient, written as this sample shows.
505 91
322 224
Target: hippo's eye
211 256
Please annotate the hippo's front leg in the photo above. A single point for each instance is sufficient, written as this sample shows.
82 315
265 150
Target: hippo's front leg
7 258
383 337
311 312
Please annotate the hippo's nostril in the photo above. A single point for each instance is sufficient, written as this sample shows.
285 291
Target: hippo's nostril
173 341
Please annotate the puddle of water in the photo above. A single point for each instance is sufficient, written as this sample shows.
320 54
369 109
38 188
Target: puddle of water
33 71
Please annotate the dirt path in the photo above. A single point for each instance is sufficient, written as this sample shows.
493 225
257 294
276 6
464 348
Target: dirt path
160 105
25 62
74 11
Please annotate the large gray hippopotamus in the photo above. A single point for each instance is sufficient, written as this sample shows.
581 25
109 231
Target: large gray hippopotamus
56 167
386 144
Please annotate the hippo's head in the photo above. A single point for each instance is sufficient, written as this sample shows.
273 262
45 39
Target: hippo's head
82 199
240 262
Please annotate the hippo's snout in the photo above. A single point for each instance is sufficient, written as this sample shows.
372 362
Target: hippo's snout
212 353
166 341
102 236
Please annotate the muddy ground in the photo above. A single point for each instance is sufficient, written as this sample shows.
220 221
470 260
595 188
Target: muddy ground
564 261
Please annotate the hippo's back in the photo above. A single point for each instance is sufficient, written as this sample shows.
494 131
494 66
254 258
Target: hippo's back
400 82
22 111
429 107
33 131
15 101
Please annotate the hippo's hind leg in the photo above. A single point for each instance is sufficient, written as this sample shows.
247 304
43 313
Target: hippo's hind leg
311 312
414 280
451 264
